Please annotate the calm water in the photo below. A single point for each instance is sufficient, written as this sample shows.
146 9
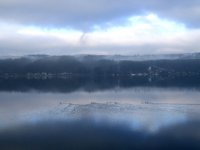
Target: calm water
39 115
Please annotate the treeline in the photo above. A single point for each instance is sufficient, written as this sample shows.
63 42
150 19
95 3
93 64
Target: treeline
97 67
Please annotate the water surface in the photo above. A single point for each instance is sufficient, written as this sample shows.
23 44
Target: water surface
90 117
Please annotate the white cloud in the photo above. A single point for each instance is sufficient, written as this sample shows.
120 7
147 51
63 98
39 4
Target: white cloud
139 35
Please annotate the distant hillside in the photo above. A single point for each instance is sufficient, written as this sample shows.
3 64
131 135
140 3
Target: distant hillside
44 66
117 57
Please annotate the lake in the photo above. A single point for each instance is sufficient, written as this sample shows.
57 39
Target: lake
99 114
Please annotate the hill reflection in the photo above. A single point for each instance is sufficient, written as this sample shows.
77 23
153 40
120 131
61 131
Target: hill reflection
94 83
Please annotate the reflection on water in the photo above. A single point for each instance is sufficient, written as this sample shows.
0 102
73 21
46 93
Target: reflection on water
138 117
84 134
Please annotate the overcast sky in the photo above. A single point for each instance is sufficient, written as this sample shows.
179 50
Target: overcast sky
128 27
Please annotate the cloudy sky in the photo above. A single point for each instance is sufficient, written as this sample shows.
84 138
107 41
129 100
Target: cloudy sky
66 27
